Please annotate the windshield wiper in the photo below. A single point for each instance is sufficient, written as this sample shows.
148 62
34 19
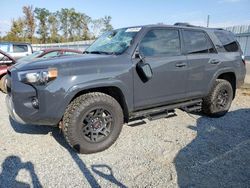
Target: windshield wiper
99 52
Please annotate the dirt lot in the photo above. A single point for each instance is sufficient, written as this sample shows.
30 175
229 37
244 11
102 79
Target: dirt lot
183 151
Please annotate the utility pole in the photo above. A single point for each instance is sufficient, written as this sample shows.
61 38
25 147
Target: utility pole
208 19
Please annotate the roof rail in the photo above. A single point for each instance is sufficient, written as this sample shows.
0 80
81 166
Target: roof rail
184 24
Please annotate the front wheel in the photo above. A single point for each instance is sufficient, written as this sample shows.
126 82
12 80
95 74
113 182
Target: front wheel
219 100
92 122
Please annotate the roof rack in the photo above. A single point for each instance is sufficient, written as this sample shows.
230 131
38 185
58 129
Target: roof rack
184 24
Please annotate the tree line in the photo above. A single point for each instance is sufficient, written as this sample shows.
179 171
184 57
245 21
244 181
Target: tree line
39 25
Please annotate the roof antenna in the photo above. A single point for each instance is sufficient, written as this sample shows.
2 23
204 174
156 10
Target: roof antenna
208 19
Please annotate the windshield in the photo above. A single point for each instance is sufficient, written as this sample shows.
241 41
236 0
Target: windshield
114 42
32 56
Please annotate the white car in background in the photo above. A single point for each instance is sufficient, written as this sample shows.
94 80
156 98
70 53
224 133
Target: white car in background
15 49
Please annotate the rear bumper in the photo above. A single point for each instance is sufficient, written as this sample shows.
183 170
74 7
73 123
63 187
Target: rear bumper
11 110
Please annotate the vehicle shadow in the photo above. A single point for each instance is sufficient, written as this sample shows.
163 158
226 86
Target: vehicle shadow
10 168
220 154
58 136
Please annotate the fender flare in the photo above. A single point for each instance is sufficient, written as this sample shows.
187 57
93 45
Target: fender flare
217 74
74 90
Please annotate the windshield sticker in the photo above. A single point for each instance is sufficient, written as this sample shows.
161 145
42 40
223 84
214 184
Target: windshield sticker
133 29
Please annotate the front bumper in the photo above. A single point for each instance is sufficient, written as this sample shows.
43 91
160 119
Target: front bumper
11 110
20 107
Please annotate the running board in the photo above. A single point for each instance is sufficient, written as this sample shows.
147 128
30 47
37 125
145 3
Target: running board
162 111
164 114
196 108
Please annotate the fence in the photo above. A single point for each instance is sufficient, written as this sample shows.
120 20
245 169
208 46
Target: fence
79 45
242 33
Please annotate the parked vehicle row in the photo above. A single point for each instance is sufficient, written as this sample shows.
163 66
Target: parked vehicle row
6 60
126 74
49 53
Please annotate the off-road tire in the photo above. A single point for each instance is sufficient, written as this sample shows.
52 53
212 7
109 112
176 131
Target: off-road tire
210 102
73 118
2 84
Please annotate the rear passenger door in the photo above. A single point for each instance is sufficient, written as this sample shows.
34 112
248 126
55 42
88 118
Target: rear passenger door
202 60
162 51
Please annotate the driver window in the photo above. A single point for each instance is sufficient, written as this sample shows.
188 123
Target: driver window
161 42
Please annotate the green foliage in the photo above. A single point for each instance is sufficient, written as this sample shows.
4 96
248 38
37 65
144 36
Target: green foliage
65 25
42 15
16 32
107 25
54 27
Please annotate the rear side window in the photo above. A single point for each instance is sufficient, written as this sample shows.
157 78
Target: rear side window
196 42
228 41
17 48
160 42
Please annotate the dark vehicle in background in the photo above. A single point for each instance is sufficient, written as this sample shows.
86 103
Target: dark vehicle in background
49 53
126 74
16 50
5 62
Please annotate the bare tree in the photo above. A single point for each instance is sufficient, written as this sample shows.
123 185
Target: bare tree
29 21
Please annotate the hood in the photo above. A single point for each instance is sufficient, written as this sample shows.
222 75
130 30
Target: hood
59 61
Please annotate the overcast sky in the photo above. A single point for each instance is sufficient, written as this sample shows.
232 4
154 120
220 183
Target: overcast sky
139 12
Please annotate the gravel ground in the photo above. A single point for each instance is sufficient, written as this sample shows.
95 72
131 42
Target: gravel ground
183 151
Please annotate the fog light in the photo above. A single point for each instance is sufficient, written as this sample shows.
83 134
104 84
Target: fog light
35 103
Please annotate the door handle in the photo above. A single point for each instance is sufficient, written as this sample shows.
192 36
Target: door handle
214 61
181 65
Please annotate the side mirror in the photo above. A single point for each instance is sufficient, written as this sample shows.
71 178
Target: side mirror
144 71
138 55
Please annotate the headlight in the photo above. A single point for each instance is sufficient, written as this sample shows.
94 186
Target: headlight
38 76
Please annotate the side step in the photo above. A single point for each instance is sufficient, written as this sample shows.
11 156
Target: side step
164 114
163 111
193 108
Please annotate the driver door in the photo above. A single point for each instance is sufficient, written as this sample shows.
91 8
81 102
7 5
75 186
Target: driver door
161 49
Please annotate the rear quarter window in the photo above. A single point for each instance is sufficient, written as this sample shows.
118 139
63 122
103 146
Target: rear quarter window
227 40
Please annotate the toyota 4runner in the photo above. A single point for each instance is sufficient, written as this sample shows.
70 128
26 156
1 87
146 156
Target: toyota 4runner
126 74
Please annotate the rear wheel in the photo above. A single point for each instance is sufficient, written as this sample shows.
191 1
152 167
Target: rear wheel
92 122
3 84
219 100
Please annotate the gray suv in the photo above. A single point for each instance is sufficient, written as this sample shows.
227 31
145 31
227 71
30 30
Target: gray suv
128 74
